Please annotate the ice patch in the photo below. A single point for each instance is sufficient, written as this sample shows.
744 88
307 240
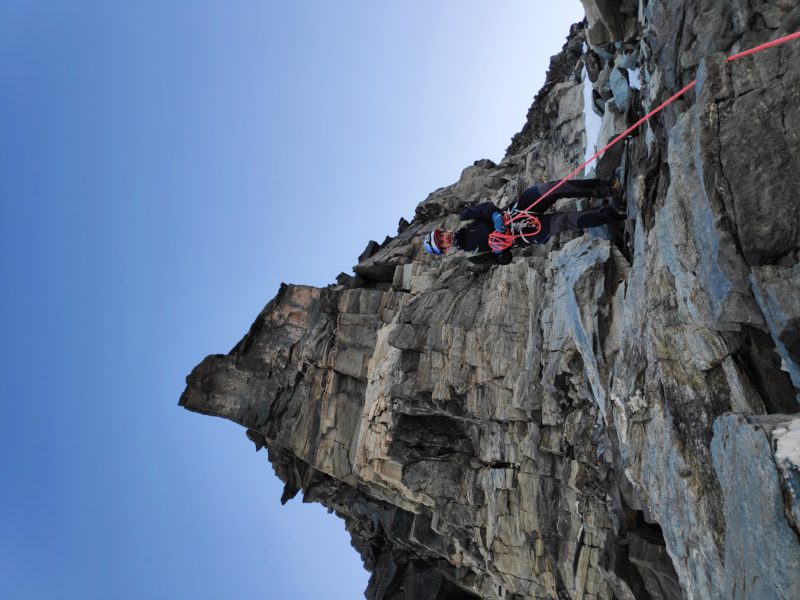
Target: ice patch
788 444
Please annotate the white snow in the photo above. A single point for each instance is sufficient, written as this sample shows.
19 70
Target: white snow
590 119
633 79
788 443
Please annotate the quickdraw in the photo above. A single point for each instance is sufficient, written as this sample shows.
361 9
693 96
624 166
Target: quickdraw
499 241
531 225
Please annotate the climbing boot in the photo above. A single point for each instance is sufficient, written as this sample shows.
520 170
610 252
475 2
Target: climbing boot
617 207
610 188
615 186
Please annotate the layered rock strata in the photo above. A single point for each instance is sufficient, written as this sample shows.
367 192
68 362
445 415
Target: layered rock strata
612 415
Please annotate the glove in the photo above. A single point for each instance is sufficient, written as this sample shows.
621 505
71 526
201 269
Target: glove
499 224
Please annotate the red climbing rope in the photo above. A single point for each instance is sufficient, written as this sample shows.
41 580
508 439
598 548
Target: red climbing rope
499 241
780 40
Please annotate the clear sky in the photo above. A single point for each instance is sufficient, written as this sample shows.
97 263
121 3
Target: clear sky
163 167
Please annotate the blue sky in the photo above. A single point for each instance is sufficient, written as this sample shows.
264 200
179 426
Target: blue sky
163 167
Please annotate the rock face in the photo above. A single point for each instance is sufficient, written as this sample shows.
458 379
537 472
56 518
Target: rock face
610 416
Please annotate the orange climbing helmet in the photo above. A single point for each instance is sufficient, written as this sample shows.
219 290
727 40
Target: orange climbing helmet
429 242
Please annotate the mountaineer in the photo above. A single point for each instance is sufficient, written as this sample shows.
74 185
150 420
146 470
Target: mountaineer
534 227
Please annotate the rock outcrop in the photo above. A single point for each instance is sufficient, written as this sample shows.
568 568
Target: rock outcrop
610 416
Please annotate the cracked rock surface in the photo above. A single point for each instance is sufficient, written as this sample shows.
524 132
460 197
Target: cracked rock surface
614 414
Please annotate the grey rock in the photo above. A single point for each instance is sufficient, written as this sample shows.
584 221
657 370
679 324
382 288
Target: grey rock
345 280
593 65
627 57
620 89
655 567
762 554
612 124
756 127
372 248
777 291
602 86
606 21
601 418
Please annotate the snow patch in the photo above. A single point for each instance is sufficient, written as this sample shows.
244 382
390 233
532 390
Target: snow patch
590 120
634 78
787 448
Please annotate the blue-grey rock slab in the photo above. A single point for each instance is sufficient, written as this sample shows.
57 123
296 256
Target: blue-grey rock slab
762 556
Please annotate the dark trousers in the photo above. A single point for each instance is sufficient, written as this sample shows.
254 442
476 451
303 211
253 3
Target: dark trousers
574 188
553 223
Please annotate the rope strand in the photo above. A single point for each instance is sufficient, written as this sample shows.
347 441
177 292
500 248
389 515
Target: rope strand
500 241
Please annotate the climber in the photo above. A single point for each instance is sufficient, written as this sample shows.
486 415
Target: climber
480 220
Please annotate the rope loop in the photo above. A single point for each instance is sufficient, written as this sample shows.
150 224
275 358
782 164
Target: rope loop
499 241
531 224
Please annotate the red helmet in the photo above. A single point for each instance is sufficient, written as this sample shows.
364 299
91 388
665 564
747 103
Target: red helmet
429 242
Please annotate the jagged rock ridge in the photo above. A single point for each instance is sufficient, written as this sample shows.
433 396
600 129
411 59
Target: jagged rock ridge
599 419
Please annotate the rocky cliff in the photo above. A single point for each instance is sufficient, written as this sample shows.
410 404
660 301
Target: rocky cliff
614 414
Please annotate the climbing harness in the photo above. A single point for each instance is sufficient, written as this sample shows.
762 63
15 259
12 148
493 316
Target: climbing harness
499 241
528 225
